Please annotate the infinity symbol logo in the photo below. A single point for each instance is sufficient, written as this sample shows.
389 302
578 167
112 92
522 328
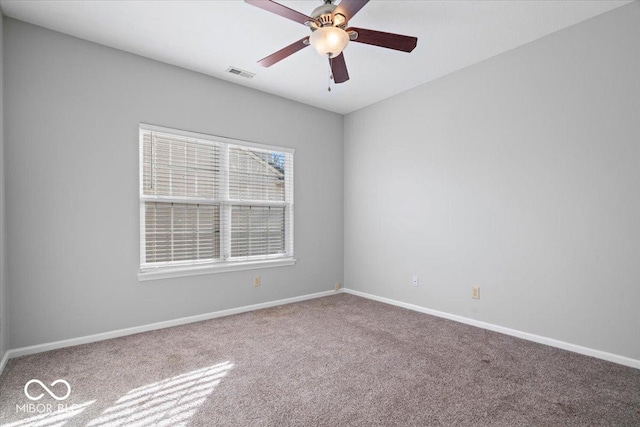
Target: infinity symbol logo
52 394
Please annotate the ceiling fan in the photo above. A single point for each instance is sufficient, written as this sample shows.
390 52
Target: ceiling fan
330 34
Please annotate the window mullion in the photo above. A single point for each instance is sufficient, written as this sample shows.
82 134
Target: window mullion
152 168
173 230
225 207
170 170
269 230
288 197
195 169
181 200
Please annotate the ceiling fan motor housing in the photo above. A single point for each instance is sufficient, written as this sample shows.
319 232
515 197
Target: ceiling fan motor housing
323 17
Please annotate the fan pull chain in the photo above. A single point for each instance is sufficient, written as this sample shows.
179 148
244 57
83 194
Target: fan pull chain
330 73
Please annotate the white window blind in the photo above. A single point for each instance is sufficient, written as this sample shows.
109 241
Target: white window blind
212 201
257 230
181 232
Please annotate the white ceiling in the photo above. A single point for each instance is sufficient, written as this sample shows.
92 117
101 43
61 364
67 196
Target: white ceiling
210 36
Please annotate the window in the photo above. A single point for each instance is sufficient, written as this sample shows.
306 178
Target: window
212 204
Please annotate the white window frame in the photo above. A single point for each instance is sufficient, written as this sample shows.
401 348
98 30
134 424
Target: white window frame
190 268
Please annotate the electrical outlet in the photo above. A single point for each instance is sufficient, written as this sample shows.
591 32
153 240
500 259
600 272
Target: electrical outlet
256 281
475 292
414 281
336 286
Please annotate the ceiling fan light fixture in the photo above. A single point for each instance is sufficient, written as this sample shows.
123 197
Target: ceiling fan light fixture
339 20
329 41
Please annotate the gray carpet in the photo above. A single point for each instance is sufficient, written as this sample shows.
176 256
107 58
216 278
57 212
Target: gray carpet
334 361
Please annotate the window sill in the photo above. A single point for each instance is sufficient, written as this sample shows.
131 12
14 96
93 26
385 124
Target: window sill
170 272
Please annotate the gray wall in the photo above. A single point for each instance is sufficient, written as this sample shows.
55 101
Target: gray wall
72 113
519 175
3 300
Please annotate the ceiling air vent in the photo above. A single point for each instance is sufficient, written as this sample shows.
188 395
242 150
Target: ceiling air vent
239 72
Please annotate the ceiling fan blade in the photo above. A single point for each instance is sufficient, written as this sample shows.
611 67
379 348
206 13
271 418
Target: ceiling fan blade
348 8
339 69
284 52
278 9
382 39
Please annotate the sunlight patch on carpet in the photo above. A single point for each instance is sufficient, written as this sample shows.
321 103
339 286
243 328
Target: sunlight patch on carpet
169 402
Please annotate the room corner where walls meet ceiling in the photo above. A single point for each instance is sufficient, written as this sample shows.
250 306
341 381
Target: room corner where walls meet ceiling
208 37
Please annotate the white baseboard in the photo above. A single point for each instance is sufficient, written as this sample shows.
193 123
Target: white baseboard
622 360
3 362
23 351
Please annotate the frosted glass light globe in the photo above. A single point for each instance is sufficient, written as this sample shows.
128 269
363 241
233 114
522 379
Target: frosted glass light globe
329 41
